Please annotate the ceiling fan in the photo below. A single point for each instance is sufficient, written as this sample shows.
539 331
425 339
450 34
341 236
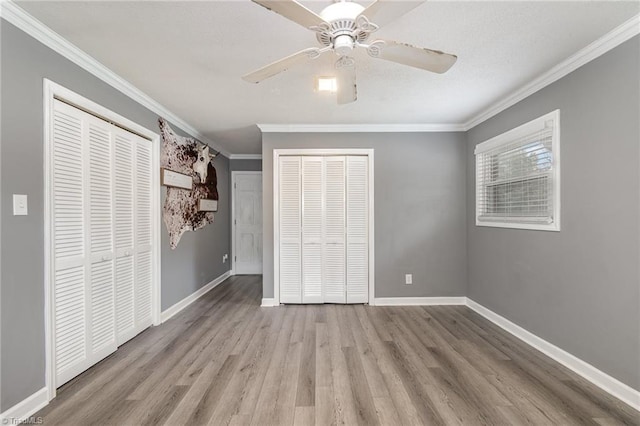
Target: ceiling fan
343 26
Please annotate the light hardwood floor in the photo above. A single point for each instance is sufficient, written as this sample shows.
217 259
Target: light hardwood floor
225 360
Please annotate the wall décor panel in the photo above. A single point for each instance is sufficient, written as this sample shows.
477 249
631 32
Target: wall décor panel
25 63
419 208
578 288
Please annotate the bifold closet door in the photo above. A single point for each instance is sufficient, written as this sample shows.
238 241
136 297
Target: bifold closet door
101 238
357 252
143 234
334 227
323 229
83 285
312 229
133 233
290 227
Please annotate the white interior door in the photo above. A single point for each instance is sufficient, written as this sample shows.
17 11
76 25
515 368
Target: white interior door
247 210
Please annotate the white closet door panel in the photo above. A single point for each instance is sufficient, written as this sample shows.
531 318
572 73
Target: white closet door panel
102 306
143 290
312 276
312 201
143 194
124 299
71 314
357 230
290 265
312 229
290 227
70 321
100 190
334 273
68 187
100 279
334 230
123 191
143 233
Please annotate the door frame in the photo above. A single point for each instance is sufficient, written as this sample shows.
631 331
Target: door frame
277 153
234 176
52 91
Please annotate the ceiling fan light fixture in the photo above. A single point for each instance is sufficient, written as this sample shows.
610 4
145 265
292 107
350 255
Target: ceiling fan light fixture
341 10
326 84
343 45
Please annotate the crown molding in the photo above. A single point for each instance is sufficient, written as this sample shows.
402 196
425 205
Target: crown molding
245 157
607 42
21 19
45 35
359 128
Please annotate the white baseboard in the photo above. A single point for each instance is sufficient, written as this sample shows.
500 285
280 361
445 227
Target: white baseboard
418 301
607 383
268 302
25 408
173 310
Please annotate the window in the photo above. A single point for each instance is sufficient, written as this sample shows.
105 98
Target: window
518 177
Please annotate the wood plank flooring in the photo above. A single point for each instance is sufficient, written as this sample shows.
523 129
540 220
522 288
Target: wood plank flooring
226 360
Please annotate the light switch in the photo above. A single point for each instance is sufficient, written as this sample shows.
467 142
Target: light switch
19 205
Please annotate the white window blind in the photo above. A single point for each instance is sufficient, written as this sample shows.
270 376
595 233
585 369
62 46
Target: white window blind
518 179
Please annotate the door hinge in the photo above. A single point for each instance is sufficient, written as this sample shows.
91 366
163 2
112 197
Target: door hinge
235 185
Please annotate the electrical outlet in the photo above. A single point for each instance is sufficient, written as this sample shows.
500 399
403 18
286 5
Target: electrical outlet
224 258
408 278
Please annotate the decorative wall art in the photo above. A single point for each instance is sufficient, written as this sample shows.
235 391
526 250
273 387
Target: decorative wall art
183 159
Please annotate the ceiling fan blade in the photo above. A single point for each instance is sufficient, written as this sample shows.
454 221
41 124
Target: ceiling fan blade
282 65
347 91
406 54
293 11
381 12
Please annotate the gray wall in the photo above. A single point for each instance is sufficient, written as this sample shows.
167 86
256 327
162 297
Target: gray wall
196 261
245 165
578 288
419 207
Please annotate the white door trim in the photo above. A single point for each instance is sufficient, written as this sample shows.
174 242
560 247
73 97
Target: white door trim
52 91
234 176
277 153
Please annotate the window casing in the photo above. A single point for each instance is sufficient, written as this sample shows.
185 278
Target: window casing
518 177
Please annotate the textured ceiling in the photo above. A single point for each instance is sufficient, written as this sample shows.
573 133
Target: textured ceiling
189 56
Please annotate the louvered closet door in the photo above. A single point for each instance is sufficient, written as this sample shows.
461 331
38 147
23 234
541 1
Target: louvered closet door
69 246
83 285
357 230
143 233
124 157
312 229
99 238
102 238
333 247
290 254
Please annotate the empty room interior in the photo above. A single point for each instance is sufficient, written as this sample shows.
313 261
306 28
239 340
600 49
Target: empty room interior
316 212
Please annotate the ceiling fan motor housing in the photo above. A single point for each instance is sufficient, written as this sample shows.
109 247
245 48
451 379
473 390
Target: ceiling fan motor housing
342 32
